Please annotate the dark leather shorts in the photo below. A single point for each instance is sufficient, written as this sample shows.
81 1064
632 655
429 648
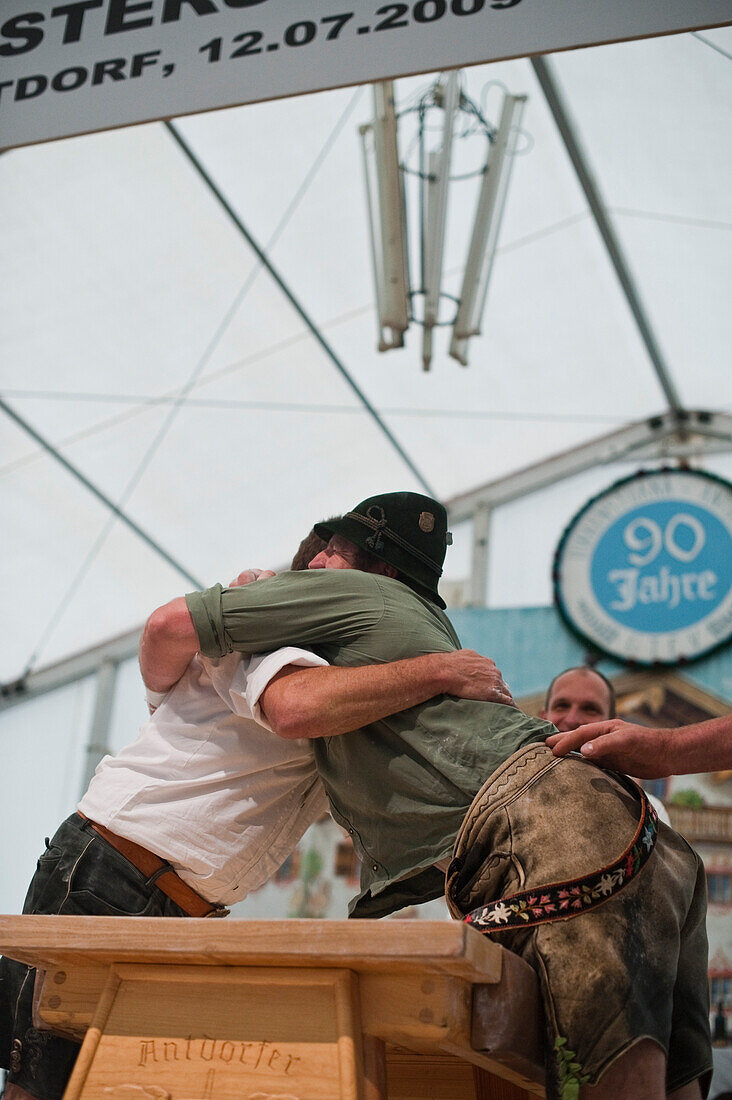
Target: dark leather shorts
78 873
633 967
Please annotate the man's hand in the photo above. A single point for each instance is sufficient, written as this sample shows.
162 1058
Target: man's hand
635 750
652 753
470 676
251 575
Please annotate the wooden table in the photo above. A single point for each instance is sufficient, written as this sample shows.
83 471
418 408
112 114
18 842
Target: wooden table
283 1010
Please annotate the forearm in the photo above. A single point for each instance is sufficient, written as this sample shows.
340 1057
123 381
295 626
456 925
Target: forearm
704 746
169 642
651 753
326 702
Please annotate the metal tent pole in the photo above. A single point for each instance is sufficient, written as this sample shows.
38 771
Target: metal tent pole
299 309
102 497
558 108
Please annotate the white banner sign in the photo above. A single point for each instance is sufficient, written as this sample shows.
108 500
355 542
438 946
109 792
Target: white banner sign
74 66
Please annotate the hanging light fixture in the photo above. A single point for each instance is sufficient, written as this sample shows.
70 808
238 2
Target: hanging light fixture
387 219
486 226
387 184
435 183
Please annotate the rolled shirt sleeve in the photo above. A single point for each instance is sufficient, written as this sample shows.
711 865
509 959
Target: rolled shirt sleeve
205 610
293 608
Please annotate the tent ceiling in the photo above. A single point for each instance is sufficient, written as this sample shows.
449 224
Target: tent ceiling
141 336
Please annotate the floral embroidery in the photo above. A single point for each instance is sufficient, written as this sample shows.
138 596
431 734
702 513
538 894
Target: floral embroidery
561 900
499 913
569 1070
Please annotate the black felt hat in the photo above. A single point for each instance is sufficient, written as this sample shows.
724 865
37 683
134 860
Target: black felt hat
407 530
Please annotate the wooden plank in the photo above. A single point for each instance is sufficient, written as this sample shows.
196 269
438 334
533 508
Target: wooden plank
374 1069
421 1011
66 999
230 1033
364 946
428 1077
507 1020
92 1039
497 1068
350 1032
420 1008
490 1087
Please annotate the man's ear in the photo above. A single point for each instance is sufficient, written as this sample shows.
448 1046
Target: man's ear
383 568
542 713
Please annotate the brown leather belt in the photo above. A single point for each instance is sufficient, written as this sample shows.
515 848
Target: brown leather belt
162 874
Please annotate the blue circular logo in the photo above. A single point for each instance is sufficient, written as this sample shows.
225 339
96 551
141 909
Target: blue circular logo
662 567
644 570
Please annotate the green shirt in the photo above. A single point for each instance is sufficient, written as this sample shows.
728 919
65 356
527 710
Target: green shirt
401 786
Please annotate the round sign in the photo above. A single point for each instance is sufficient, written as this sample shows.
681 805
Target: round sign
644 571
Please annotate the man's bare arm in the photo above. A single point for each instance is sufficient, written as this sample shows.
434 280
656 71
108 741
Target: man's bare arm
652 753
169 642
324 702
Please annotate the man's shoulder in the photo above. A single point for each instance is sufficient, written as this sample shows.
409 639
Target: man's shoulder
327 581
364 589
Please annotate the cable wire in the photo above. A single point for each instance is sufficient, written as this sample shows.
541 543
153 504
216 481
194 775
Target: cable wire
272 349
318 407
544 73
116 512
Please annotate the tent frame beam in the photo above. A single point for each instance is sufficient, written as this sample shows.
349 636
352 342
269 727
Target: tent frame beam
98 744
97 492
568 131
297 306
667 436
78 666
653 439
672 436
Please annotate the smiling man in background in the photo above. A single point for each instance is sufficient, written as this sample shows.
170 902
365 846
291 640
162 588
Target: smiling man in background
579 696
576 696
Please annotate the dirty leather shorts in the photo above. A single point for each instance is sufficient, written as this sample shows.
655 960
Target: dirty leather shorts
78 873
634 966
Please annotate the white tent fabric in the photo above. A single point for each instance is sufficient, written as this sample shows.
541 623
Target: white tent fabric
142 338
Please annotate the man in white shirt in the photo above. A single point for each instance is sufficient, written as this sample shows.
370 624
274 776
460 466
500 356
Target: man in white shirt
207 803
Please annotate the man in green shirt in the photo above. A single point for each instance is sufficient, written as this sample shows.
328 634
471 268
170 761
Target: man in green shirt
403 785
400 786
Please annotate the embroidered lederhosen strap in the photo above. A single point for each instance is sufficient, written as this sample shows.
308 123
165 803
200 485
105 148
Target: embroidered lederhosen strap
562 900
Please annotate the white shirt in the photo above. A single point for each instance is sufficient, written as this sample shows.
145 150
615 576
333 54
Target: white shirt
207 786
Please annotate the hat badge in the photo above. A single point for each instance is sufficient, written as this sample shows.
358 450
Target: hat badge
426 522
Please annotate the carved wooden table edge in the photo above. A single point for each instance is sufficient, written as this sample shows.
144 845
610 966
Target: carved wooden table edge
437 945
426 990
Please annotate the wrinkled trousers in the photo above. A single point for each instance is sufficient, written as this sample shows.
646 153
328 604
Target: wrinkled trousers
633 967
